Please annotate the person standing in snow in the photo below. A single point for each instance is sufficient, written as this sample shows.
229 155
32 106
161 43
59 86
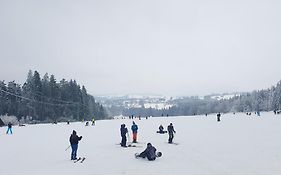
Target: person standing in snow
171 132
149 152
134 131
123 131
74 139
218 117
9 128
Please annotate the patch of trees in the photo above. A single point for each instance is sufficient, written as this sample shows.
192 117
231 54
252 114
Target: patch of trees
45 99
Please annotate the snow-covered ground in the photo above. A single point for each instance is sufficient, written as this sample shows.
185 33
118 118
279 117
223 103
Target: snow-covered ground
238 145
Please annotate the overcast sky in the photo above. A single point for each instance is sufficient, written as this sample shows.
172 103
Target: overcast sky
163 47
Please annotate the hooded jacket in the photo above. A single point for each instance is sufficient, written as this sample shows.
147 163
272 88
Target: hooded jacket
74 139
150 152
123 130
134 128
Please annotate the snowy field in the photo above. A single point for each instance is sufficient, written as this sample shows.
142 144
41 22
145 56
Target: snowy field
238 145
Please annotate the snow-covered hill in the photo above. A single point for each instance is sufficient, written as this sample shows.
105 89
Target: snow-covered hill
239 144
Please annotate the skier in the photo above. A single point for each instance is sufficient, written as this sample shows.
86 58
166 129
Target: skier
123 131
149 152
171 132
74 139
9 128
93 121
161 130
134 129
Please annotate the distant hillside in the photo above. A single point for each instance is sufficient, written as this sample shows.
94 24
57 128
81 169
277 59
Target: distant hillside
262 100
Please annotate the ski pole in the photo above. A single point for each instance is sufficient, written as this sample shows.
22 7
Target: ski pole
67 148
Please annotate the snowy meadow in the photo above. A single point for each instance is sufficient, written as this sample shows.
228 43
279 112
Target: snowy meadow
239 144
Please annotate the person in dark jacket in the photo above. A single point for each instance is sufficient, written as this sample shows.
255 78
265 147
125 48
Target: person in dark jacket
9 128
171 132
135 132
87 123
149 152
161 130
74 139
219 117
123 131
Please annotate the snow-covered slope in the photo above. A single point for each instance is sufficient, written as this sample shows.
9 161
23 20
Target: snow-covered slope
239 144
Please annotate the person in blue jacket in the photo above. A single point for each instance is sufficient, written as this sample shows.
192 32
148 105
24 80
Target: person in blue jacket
123 131
9 128
135 132
74 139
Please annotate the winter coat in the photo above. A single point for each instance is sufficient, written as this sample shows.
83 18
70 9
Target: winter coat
9 125
150 152
123 131
134 128
74 139
171 129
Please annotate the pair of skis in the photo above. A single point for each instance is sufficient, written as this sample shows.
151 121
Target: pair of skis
80 159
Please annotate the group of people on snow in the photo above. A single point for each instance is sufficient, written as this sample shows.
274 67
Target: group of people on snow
170 130
124 132
134 128
150 151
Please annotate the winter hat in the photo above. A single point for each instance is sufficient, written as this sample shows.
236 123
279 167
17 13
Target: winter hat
149 144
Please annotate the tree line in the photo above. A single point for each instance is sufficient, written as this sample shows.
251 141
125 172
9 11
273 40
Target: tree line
256 101
46 100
